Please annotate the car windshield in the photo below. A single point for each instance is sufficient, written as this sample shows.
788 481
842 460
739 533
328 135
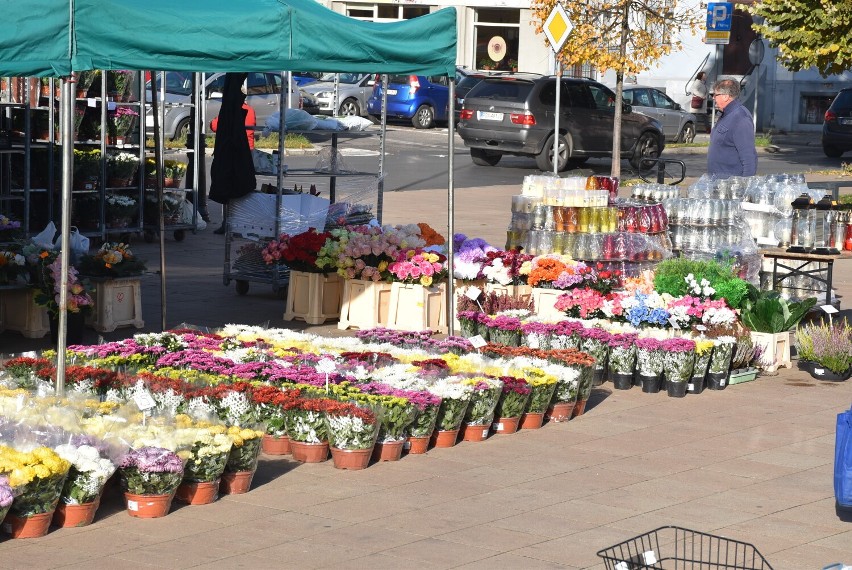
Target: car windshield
344 77
176 83
502 90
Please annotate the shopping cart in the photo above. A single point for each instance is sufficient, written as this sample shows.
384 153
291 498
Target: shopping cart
676 548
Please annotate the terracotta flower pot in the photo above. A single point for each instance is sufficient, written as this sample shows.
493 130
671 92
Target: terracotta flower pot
560 412
505 425
148 506
352 459
197 493
235 482
272 445
532 421
579 408
33 526
309 452
417 445
67 516
444 438
475 432
388 450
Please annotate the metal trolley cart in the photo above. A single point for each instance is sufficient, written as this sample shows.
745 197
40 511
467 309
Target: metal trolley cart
345 197
676 548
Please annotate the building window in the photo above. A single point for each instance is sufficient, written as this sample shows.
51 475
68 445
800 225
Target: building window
385 12
496 33
581 70
812 108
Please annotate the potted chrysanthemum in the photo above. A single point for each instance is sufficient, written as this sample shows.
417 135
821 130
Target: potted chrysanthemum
485 392
37 477
150 476
512 403
352 432
679 359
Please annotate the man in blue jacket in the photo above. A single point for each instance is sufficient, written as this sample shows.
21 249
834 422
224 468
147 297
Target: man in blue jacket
732 151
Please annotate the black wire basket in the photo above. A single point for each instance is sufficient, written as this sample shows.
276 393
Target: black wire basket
676 548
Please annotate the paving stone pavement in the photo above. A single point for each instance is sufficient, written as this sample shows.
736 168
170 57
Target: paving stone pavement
753 463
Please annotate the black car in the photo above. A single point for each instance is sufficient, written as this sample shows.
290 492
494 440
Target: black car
837 126
514 114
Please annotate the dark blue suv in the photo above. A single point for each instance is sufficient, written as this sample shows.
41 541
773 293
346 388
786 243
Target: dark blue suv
421 99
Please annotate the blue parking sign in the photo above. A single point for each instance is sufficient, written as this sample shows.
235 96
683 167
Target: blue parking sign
719 16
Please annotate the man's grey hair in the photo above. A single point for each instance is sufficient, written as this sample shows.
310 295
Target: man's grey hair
727 87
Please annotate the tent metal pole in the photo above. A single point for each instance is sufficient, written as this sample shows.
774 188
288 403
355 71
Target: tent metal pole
380 199
451 221
158 159
67 134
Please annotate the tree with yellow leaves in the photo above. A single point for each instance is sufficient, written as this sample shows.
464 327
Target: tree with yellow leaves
808 33
627 36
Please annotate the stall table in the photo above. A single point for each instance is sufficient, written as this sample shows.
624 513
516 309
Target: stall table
790 264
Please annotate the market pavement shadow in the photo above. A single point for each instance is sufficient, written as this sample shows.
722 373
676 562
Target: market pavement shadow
597 397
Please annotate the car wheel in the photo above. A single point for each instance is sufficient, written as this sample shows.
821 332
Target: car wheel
481 157
544 159
424 118
687 133
647 147
349 108
832 151
181 130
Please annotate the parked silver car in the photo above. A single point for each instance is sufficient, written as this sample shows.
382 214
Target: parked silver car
678 124
354 89
262 91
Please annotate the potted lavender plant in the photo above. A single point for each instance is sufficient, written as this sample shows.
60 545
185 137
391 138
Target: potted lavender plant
826 350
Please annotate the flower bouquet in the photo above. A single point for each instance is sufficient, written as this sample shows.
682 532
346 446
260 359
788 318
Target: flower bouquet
121 168
568 386
424 423
504 329
581 303
87 168
6 496
542 388
37 476
649 363
595 341
485 393
703 352
622 360
566 335
469 259
112 260
10 229
512 403
121 121
679 361
455 397
352 434
720 362
88 473
510 267
12 265
245 450
365 252
418 267
119 83
173 171
119 210
298 252
209 454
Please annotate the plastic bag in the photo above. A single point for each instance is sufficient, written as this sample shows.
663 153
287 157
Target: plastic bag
45 237
352 123
294 120
843 460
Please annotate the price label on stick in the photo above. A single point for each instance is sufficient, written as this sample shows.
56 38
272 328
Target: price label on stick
144 400
326 366
473 292
829 309
700 328
673 323
477 341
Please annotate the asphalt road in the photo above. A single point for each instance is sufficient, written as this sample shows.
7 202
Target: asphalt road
417 159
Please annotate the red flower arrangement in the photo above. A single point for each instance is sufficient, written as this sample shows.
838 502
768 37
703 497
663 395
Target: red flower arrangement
298 252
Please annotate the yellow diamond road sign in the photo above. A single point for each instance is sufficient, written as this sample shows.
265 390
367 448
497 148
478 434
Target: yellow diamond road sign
557 27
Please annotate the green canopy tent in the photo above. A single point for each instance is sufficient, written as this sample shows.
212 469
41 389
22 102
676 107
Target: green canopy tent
57 37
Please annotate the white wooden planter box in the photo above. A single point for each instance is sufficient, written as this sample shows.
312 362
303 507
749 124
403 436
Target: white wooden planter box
313 297
776 349
118 303
364 305
544 301
18 312
417 308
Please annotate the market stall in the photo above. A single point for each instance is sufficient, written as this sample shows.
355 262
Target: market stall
214 36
